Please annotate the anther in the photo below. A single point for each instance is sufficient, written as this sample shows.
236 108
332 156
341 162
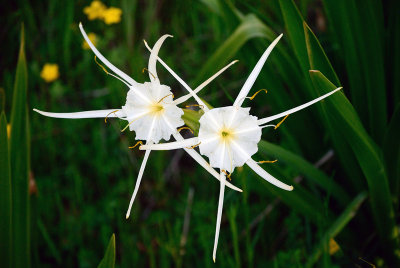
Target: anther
195 105
277 125
139 142
194 146
228 175
145 69
179 129
255 94
105 118
267 161
102 67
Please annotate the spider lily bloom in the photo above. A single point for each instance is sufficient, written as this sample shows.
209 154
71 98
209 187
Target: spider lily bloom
229 136
149 110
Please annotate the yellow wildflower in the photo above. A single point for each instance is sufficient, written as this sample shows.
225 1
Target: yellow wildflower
49 72
92 38
112 15
95 10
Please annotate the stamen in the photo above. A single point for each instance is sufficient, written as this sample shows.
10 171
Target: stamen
166 97
105 118
277 125
188 128
194 146
102 67
228 175
139 142
255 94
195 105
267 161
145 69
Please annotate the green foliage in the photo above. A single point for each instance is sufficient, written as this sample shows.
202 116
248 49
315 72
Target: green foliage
109 256
338 154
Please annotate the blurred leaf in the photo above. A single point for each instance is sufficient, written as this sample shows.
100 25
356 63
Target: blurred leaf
345 120
109 256
191 119
360 29
336 227
19 157
5 196
250 27
306 169
2 99
391 152
317 57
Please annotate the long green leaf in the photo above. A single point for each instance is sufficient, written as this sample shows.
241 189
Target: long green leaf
391 150
313 52
19 157
250 27
108 260
345 120
336 227
5 196
307 169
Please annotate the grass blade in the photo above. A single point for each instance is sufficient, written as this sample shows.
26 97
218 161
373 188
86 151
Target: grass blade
5 196
108 260
344 119
336 227
19 158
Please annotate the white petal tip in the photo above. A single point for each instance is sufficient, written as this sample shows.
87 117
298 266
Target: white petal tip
290 188
280 35
36 110
233 62
214 259
127 217
80 24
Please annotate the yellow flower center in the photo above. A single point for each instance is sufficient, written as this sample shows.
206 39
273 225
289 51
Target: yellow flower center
227 134
156 108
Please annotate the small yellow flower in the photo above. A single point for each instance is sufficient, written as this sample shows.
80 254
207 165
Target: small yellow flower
112 15
9 130
92 38
95 10
49 72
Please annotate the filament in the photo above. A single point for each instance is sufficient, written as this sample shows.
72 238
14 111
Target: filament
147 70
166 97
195 105
267 161
228 175
255 94
194 146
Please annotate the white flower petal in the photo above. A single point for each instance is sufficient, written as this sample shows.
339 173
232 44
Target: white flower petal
153 58
202 85
105 61
254 74
183 83
86 114
298 108
266 176
171 145
219 213
138 180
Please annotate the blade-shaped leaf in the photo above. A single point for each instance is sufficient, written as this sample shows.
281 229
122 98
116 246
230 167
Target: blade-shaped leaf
336 227
345 120
5 196
19 158
108 260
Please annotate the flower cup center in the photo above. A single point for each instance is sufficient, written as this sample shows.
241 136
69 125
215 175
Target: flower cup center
156 108
226 134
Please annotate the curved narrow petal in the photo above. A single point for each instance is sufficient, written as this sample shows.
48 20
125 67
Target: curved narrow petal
266 176
183 83
153 57
123 75
199 159
298 108
171 145
86 114
219 213
204 84
254 74
138 180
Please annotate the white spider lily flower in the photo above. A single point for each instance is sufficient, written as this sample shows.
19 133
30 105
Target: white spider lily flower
228 136
149 110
